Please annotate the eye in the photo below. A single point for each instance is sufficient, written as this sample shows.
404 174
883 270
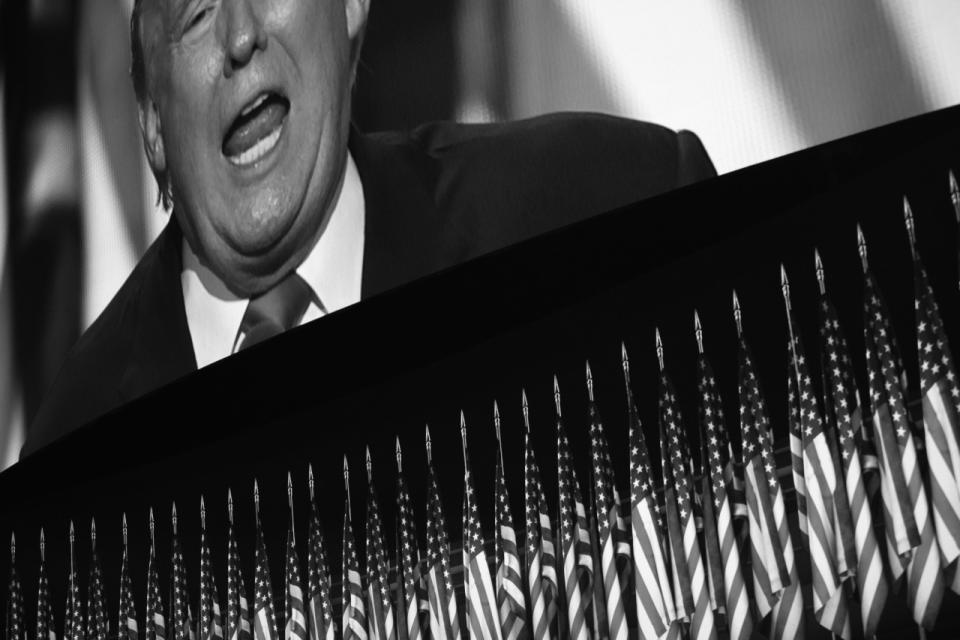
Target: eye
199 17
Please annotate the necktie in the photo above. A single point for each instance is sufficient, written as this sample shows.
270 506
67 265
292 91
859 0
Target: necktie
274 311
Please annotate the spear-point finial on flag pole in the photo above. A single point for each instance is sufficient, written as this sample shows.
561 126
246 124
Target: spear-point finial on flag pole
152 539
293 533
256 498
589 382
13 547
911 230
496 426
463 436
346 485
174 518
785 286
659 348
819 265
310 479
399 456
43 546
72 538
124 529
428 445
698 331
955 195
737 315
556 395
862 248
93 533
625 362
526 409
203 515
369 467
230 505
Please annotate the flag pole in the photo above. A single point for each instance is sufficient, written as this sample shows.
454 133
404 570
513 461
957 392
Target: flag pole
174 518
659 348
625 363
293 532
556 396
428 445
124 529
463 437
526 409
785 289
203 515
310 479
399 455
256 500
911 231
93 534
737 314
43 547
955 197
230 505
821 282
346 484
496 425
698 331
13 548
589 382
72 565
862 249
152 539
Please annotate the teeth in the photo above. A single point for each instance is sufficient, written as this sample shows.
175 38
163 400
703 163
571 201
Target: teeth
261 148
256 103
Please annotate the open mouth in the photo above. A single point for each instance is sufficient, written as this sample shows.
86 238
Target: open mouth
256 130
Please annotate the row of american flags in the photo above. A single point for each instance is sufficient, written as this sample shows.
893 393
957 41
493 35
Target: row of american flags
701 547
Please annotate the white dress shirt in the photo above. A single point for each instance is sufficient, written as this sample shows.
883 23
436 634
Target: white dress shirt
333 269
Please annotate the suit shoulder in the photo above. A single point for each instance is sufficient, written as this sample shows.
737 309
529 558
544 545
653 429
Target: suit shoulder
533 175
87 383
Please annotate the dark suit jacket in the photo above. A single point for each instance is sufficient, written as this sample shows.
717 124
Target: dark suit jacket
436 196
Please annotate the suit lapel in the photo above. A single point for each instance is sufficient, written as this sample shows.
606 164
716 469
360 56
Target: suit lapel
402 224
161 349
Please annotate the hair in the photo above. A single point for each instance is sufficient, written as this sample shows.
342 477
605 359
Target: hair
138 73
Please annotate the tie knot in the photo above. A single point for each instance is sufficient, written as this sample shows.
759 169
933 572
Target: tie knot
274 311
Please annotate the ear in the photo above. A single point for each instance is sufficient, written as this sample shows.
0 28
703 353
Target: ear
152 136
357 11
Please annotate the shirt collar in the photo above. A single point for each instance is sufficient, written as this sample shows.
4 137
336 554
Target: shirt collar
333 270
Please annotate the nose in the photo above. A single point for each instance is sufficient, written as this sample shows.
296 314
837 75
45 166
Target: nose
244 34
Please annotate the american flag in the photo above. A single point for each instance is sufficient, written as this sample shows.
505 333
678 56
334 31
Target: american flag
796 457
656 611
45 626
380 621
295 627
180 605
127 616
482 618
354 609
322 626
211 624
692 574
16 629
543 590
608 521
238 612
940 394
575 541
910 529
264 618
510 599
718 505
825 545
599 627
843 403
155 626
444 617
775 577
96 604
73 628
706 518
408 560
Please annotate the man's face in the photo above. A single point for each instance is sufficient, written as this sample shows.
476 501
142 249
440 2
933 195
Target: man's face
251 110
